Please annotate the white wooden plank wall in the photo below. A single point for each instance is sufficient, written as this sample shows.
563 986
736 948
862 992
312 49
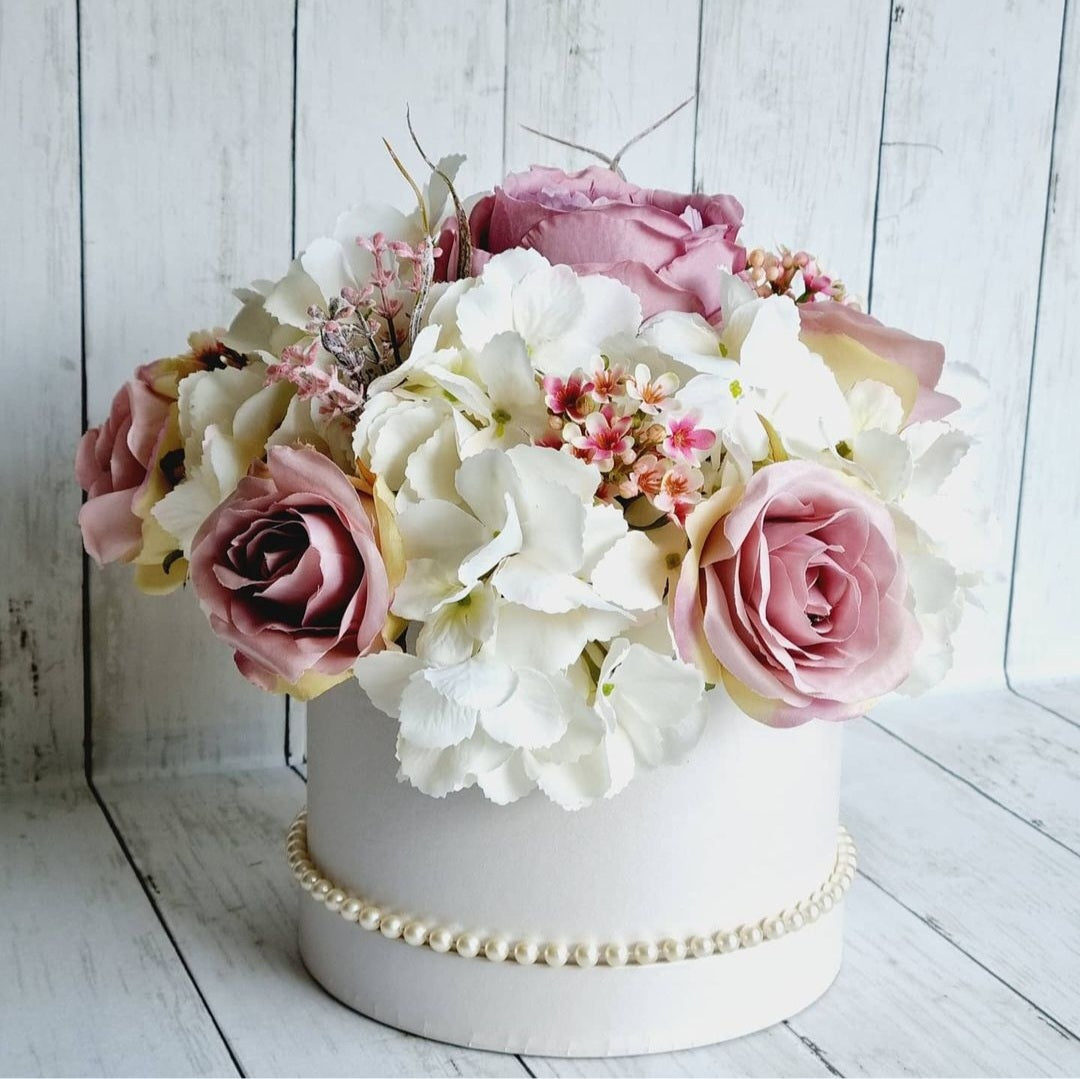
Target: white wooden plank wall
592 73
964 163
203 166
789 120
187 193
1044 632
41 675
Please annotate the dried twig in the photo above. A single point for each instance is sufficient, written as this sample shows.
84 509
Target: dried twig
412 183
464 261
612 162
427 275
573 146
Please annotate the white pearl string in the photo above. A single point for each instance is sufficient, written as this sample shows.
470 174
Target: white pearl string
525 951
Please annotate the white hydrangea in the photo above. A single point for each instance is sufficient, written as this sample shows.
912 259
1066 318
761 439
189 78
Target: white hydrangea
526 595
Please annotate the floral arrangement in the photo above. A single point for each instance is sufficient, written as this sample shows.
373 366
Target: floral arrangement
543 470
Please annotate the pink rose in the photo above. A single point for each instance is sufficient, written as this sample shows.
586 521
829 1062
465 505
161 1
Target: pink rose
117 463
857 346
289 572
668 248
793 596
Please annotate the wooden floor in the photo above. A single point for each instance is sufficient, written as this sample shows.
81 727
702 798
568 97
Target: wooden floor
148 928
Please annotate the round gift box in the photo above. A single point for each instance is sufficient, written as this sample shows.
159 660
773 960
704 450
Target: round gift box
723 871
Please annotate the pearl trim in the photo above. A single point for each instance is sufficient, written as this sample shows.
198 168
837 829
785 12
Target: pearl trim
418 932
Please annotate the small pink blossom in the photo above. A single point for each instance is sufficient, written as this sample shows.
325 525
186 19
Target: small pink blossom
552 440
686 440
680 489
651 394
608 382
648 474
569 398
817 282
605 440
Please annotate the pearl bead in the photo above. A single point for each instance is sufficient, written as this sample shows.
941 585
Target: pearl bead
468 945
496 949
391 925
727 941
774 928
673 950
616 955
750 935
645 952
794 920
525 952
441 939
415 933
700 947
586 955
556 955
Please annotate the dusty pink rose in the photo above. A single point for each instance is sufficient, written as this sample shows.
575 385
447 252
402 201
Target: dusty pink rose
668 248
289 571
911 365
116 463
793 596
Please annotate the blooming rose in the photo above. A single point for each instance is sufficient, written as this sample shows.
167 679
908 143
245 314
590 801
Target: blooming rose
668 248
118 463
793 595
857 346
289 572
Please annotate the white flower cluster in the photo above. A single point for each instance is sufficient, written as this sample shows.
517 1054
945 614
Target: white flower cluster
541 655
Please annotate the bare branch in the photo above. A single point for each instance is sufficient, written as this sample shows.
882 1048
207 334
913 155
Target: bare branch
613 161
573 145
648 131
412 183
464 262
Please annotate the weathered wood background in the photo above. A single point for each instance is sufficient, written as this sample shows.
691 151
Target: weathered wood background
157 154
154 154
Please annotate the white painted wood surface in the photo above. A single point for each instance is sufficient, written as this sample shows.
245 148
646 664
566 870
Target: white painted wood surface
212 846
990 883
187 194
908 143
1045 629
455 94
965 158
41 720
194 180
597 73
1014 751
782 75
90 983
941 975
